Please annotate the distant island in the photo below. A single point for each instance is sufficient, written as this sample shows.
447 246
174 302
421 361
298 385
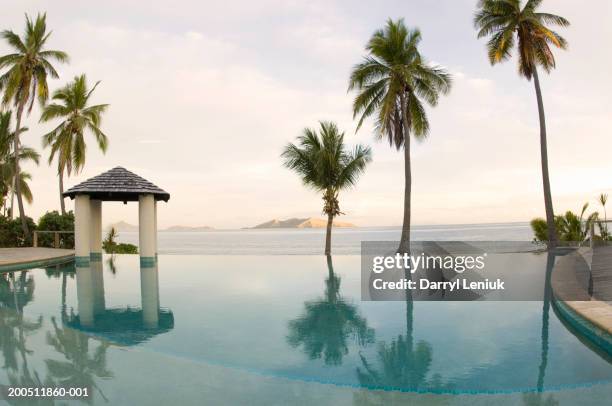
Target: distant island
122 226
310 222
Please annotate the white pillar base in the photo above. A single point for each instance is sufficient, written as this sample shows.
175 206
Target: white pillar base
146 230
95 238
81 230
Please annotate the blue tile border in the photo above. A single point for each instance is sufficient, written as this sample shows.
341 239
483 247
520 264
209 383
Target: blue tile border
148 262
95 256
81 261
599 337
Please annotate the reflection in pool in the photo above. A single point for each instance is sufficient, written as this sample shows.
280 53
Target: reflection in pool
229 329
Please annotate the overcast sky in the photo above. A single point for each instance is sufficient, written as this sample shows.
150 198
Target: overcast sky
204 95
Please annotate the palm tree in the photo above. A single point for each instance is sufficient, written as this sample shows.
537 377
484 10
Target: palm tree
7 159
393 83
67 140
324 164
26 79
506 23
603 199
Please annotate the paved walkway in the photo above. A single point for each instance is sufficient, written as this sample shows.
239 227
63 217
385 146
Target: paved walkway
583 282
19 258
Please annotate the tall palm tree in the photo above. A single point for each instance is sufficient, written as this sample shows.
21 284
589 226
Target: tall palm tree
394 82
7 159
67 140
507 24
323 163
26 79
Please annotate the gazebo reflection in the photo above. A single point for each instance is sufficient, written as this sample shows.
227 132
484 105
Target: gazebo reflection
120 325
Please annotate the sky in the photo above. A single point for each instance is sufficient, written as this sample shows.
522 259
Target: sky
205 94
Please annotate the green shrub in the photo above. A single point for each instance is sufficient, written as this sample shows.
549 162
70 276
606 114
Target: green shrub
111 246
569 227
11 234
54 221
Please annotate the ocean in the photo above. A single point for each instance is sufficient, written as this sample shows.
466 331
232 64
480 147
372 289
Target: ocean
345 241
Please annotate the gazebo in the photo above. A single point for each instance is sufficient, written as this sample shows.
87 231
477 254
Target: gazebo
120 185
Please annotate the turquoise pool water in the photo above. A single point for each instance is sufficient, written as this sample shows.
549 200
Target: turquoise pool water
272 329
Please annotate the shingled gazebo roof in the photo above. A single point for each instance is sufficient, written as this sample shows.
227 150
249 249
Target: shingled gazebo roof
118 184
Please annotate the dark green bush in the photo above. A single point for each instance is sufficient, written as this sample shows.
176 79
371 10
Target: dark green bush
54 221
11 234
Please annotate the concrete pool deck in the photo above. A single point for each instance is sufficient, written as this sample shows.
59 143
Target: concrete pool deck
12 259
582 287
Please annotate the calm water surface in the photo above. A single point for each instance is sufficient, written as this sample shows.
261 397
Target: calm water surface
277 330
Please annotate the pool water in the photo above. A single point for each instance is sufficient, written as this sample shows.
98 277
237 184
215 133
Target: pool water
202 329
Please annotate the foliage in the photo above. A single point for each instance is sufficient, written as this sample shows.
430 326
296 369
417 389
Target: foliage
7 162
29 64
11 232
394 81
570 227
25 79
54 221
324 164
67 140
507 24
111 246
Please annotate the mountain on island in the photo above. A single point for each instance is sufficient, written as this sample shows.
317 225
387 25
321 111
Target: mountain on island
310 222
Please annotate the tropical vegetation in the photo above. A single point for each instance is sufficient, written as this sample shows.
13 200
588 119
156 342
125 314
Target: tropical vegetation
111 246
325 164
508 23
574 228
24 81
55 221
67 140
394 82
7 165
11 233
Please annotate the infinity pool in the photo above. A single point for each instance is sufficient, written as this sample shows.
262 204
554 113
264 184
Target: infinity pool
280 330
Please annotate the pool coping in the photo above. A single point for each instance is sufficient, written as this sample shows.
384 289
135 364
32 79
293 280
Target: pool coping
590 317
36 262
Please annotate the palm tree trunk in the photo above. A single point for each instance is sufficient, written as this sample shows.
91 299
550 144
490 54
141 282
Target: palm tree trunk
17 188
61 190
404 246
330 221
548 204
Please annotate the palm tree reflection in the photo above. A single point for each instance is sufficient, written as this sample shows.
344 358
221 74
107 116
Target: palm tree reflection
538 398
15 294
81 366
326 326
402 363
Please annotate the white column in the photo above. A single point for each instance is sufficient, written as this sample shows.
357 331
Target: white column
149 294
146 229
155 221
95 238
81 230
